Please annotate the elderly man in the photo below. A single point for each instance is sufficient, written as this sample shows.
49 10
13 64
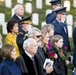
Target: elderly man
35 33
19 13
28 62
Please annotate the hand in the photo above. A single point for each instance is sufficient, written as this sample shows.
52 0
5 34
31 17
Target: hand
67 62
48 69
55 56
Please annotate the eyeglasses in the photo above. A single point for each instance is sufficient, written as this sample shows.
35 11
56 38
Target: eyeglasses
38 36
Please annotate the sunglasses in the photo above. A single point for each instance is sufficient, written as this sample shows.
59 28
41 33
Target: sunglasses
38 36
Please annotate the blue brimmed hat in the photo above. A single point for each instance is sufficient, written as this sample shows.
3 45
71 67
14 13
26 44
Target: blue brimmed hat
61 10
56 2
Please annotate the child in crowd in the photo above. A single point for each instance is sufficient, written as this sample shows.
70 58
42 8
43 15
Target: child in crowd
59 61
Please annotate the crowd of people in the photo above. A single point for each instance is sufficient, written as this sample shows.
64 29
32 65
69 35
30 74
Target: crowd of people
28 50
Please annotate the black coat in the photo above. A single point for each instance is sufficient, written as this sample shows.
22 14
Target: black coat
41 57
59 64
15 17
42 54
27 66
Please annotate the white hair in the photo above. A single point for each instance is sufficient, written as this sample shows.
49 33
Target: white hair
32 31
28 42
16 7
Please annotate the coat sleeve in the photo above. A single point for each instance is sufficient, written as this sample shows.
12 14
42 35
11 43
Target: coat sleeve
22 65
4 71
50 17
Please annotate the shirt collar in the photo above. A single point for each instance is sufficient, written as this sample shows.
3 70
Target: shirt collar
58 20
19 17
28 54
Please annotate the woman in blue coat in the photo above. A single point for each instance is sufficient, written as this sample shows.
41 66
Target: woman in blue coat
8 66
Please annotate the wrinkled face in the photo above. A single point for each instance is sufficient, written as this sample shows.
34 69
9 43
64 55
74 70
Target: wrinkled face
13 54
59 44
45 39
26 27
51 33
15 28
32 49
37 36
20 11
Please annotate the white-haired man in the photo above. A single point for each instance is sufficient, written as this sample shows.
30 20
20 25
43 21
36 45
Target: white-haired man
35 33
28 62
18 13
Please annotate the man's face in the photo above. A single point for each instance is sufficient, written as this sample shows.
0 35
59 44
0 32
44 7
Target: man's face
20 11
32 49
54 6
26 27
37 36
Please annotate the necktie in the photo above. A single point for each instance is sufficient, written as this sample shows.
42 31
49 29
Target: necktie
65 30
34 65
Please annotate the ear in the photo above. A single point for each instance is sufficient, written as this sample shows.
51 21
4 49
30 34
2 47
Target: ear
55 43
27 48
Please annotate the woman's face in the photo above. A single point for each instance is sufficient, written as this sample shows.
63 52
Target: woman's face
51 33
59 44
15 28
46 38
13 53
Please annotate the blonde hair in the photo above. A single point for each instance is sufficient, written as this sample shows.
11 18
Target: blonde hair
43 32
48 27
54 39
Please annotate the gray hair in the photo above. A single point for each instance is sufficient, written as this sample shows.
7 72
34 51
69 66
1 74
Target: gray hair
28 42
32 31
16 7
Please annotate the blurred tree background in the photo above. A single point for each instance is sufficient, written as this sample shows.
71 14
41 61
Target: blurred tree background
41 12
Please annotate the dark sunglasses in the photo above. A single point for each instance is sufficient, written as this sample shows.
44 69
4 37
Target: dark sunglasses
38 36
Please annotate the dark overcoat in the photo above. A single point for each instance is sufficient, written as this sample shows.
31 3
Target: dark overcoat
59 64
27 66
41 57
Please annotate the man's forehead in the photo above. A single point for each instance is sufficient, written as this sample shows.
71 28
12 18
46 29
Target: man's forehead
37 32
